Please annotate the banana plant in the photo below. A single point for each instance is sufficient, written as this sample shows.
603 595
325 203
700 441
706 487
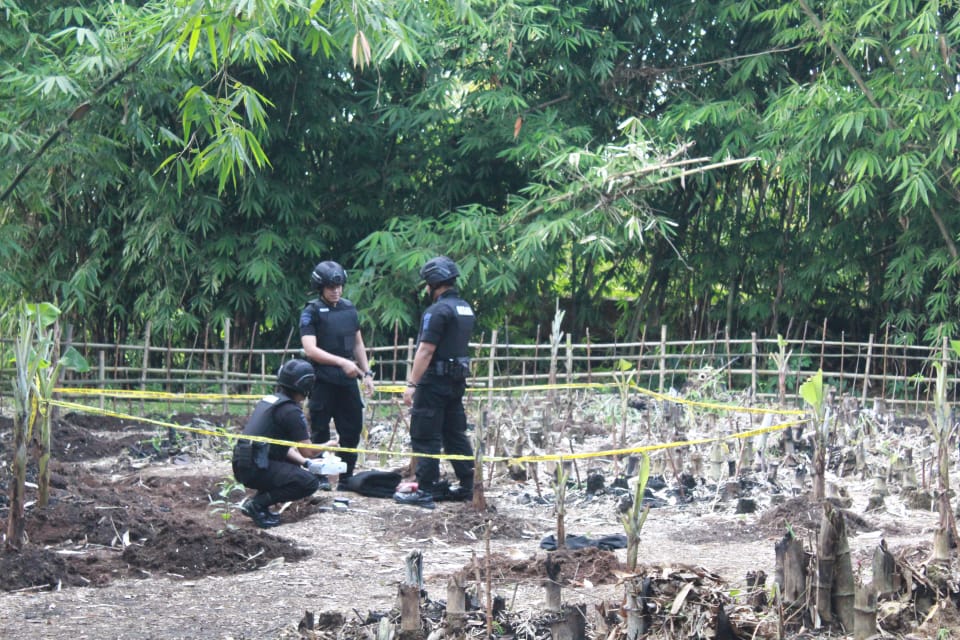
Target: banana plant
36 370
782 360
623 378
812 392
634 518
943 427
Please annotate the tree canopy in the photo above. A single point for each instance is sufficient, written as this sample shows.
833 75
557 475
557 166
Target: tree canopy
719 167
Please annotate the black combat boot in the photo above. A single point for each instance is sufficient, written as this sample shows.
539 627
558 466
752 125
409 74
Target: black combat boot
417 498
261 516
460 493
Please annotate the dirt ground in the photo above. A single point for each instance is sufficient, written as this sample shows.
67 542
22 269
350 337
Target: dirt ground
143 539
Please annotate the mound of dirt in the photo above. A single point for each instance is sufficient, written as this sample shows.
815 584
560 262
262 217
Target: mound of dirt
110 521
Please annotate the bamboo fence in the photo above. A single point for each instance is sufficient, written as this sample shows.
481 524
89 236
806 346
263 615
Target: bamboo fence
770 369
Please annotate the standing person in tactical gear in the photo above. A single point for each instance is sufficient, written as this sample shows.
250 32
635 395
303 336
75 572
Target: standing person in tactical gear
279 473
435 387
331 339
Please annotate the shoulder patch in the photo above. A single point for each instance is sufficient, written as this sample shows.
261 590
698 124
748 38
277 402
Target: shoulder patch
464 310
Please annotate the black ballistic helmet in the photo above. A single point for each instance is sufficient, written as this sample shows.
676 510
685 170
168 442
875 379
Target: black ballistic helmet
296 375
328 274
438 270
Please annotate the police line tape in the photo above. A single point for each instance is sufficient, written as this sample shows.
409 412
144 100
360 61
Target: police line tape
132 394
230 437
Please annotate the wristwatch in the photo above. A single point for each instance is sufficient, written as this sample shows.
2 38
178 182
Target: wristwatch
368 374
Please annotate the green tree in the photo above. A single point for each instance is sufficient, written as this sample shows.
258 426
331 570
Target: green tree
227 146
162 204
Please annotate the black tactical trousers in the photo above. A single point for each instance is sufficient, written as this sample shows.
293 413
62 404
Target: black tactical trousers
438 423
344 405
280 482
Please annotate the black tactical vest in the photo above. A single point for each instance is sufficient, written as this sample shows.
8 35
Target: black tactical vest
455 340
335 327
261 423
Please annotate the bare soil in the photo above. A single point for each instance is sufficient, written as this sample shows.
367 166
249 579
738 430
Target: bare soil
143 539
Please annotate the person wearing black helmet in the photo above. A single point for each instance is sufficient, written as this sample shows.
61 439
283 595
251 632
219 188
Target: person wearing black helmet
279 473
331 339
435 388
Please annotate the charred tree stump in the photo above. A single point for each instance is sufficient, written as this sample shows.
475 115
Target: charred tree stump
731 490
884 569
875 501
456 606
410 612
788 442
844 583
791 571
756 581
410 592
865 612
835 583
571 625
725 629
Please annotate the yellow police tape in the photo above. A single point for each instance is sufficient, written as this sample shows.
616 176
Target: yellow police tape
220 433
133 394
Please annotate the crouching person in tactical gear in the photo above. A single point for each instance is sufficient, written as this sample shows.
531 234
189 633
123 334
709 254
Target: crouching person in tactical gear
435 388
279 473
